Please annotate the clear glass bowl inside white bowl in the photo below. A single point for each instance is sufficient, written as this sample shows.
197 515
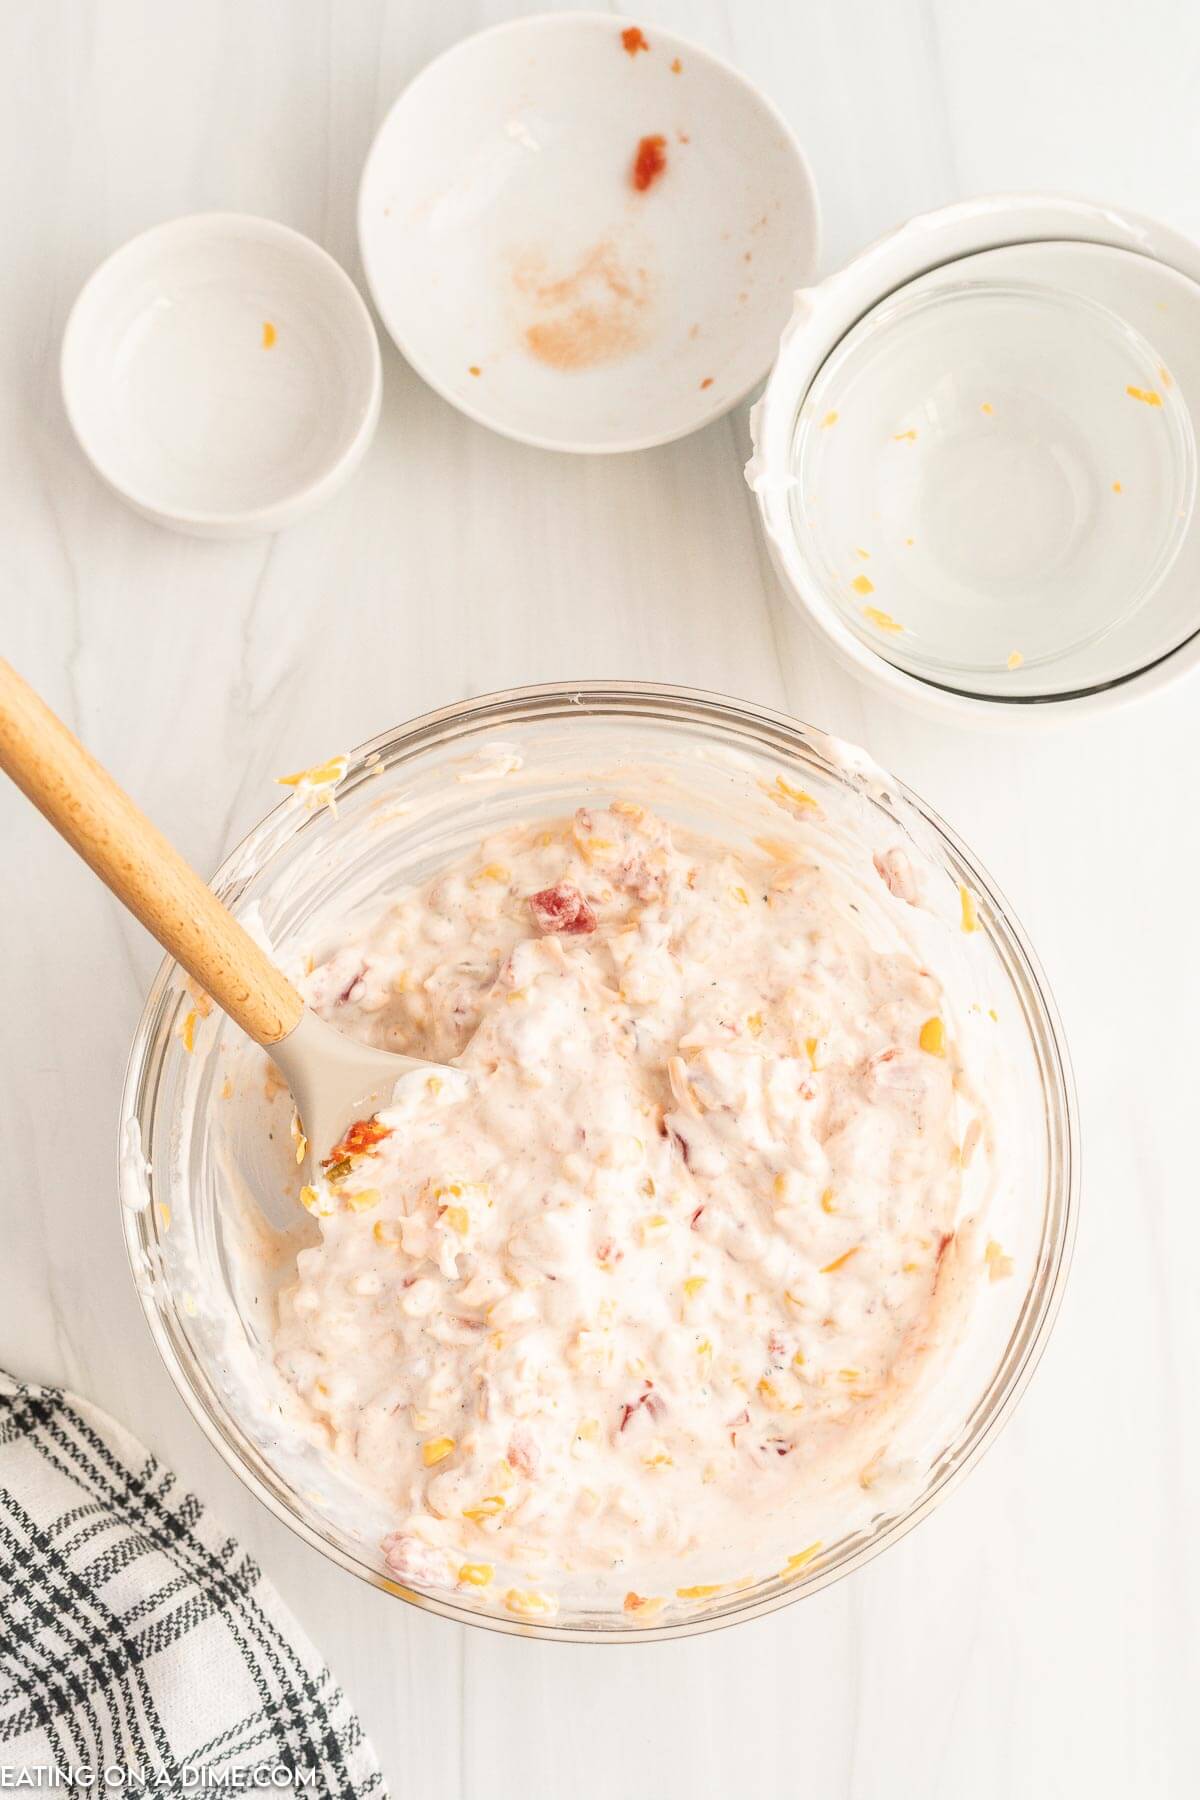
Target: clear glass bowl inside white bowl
991 476
208 1174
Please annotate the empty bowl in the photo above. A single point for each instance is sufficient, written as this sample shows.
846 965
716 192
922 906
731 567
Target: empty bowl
975 459
584 234
991 476
222 374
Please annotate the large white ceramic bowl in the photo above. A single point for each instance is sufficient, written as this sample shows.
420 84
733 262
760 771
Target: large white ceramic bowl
525 274
222 374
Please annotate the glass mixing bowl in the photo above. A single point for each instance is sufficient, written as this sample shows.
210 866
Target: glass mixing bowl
208 1175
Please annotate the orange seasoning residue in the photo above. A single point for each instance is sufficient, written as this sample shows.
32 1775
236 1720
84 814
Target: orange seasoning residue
649 163
677 67
269 335
595 313
634 39
707 382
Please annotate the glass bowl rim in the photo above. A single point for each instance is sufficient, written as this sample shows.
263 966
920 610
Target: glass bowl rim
673 705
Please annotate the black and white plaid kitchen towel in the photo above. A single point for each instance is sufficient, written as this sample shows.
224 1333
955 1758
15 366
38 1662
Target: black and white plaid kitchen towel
141 1651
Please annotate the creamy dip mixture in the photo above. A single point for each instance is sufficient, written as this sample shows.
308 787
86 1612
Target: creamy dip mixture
668 1241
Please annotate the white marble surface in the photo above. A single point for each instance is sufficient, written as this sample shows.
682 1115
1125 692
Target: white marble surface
1038 1636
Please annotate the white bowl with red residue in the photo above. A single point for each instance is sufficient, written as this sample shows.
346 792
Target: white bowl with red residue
586 234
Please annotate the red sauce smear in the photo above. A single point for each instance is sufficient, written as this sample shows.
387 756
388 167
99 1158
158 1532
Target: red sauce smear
649 163
634 39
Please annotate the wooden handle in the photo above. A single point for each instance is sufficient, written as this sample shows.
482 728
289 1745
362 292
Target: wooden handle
145 872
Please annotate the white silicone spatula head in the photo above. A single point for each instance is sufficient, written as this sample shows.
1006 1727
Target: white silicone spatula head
334 1080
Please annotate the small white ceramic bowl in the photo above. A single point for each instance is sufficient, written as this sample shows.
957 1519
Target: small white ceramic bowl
222 374
1139 275
527 276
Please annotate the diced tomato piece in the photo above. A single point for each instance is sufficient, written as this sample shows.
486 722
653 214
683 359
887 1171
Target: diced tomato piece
562 908
362 1136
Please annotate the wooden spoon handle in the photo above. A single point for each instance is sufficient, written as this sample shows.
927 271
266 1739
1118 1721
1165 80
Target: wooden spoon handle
145 872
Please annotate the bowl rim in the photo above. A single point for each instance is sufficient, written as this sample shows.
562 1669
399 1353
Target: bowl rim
556 699
480 415
219 226
826 313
